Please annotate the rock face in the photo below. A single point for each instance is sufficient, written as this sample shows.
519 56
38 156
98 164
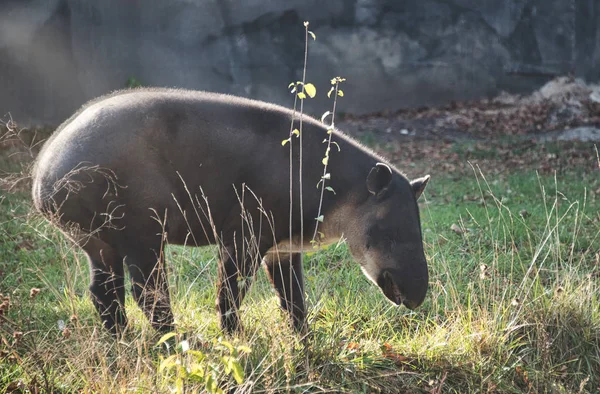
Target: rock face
56 54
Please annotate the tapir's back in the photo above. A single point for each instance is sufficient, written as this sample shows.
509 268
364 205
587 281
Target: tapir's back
143 120
153 140
145 149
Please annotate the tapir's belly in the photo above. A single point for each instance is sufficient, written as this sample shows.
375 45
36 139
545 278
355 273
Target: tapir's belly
297 247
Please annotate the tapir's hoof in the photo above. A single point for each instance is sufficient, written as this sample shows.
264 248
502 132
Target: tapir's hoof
301 328
164 328
230 324
163 325
117 330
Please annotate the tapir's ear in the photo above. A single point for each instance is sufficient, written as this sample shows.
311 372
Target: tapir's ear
418 185
379 178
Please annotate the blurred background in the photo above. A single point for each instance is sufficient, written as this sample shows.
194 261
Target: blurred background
57 54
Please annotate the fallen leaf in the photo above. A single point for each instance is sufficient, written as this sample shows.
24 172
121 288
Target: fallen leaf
34 292
390 354
457 229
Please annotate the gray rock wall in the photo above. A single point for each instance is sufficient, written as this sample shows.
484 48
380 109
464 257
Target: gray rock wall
56 54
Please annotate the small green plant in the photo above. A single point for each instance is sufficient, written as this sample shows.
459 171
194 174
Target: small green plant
326 175
133 83
189 367
301 90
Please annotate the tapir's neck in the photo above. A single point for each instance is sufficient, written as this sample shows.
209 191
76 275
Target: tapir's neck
337 222
348 168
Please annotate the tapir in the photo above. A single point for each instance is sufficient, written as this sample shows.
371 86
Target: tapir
139 169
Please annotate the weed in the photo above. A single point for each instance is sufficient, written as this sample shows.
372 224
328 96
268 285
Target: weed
133 83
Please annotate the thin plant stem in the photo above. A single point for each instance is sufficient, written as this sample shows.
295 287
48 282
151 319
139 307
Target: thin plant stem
327 162
300 151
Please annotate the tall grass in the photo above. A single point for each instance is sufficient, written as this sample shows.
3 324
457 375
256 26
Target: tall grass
513 307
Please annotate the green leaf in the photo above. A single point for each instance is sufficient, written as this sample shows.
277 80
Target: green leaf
312 35
238 372
320 219
296 132
244 349
197 373
330 91
211 384
227 345
285 141
291 84
336 144
326 176
184 346
197 354
341 93
306 23
301 96
325 160
168 362
333 81
324 116
227 361
329 131
330 189
310 89
165 338
321 235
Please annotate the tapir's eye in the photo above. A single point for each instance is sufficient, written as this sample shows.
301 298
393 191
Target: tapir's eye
370 237
375 236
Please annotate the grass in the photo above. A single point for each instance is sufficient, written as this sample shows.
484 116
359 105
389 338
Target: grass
513 305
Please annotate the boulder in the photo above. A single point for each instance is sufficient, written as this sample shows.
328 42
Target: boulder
56 54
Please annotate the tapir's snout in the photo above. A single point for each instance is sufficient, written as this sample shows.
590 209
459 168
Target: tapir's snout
411 304
402 288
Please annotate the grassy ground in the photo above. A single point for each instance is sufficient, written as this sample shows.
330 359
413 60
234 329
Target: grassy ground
513 305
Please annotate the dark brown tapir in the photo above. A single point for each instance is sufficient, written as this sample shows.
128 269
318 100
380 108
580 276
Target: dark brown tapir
135 170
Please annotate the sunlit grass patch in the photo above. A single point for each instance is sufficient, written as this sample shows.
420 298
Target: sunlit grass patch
512 306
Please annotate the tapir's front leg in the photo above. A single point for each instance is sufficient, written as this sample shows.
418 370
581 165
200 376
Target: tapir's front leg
228 294
233 266
285 272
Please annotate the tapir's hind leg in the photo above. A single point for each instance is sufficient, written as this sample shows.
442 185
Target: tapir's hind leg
107 283
285 272
150 288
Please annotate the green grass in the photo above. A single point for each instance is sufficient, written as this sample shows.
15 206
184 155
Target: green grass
513 305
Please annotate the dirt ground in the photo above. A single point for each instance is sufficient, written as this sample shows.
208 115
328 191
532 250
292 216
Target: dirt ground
553 129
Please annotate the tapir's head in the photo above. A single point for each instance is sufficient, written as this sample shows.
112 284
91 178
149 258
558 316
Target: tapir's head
386 237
